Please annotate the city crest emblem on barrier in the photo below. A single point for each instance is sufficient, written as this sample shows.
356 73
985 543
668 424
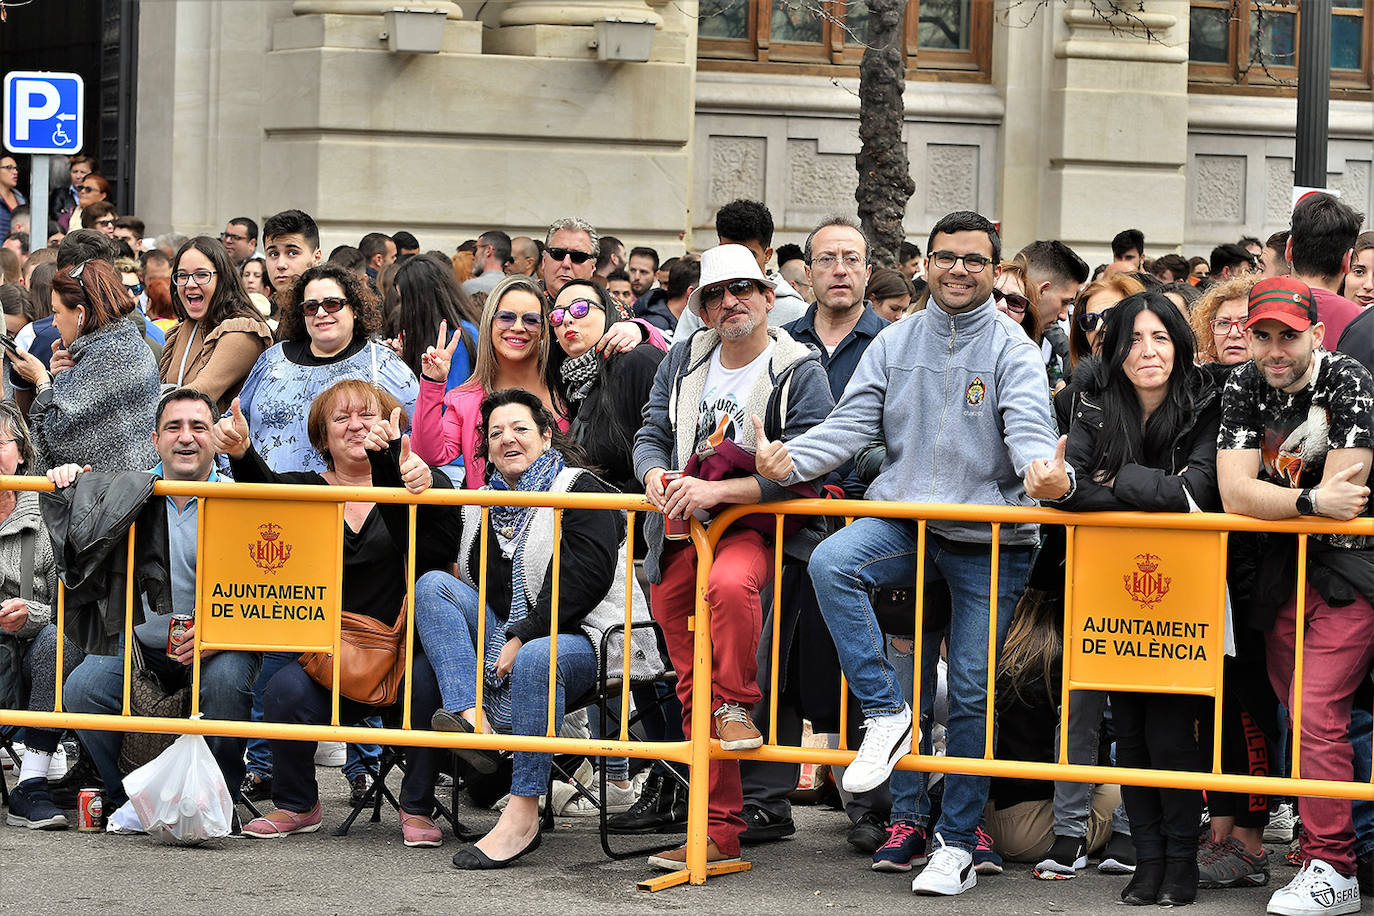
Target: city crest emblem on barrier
269 552
976 391
1147 585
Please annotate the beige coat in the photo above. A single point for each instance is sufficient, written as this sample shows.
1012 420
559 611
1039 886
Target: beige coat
218 362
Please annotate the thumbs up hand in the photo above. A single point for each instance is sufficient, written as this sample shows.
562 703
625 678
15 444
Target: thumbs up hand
771 459
414 472
230 435
1343 496
1048 478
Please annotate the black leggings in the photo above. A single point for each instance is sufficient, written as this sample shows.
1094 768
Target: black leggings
1249 729
1156 731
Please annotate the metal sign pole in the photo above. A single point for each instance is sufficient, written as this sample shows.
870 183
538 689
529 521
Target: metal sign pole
38 202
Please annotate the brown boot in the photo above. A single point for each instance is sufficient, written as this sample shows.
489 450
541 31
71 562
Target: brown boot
676 859
735 729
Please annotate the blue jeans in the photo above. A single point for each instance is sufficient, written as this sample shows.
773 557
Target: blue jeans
446 621
226 687
874 552
361 758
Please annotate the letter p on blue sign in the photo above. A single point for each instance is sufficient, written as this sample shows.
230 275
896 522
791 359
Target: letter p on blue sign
43 112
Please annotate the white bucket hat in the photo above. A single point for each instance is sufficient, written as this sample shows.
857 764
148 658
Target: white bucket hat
723 264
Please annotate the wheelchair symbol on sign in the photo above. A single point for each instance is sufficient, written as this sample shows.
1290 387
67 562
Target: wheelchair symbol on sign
59 136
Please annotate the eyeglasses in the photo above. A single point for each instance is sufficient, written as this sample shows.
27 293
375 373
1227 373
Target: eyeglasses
713 296
1089 321
199 277
330 305
1015 302
578 257
226 237
828 261
1222 328
973 263
135 289
9 168
506 319
578 308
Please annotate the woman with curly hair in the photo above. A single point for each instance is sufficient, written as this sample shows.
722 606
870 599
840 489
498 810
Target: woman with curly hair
327 322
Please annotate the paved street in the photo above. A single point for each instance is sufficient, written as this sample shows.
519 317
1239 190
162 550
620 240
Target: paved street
370 872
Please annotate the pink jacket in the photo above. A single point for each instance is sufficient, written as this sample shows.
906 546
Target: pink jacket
444 427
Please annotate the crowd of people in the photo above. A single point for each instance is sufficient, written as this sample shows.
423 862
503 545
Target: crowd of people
742 374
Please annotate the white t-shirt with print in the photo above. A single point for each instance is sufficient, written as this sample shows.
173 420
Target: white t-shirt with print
721 414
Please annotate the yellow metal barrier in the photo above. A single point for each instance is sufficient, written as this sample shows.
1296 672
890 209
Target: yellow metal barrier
697 750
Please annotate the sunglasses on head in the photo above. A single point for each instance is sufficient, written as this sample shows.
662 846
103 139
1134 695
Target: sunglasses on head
329 306
578 257
1089 321
713 296
506 319
578 308
1015 302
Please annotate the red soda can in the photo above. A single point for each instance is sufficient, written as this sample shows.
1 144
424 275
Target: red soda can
90 811
675 529
176 632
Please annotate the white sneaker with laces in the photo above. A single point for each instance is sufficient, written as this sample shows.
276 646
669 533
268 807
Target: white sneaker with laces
886 740
1317 890
330 754
618 800
949 871
1281 824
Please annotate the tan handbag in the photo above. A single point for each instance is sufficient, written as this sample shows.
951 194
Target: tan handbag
372 660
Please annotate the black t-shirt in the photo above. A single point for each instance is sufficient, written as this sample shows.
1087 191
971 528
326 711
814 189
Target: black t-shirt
374 581
1294 432
299 352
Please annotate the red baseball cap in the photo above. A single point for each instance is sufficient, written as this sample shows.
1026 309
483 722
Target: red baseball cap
1283 299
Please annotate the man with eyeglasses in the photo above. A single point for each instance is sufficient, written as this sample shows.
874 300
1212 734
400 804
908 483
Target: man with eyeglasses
960 395
840 325
699 417
240 238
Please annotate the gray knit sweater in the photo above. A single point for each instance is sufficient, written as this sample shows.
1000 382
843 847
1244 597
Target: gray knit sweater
26 517
100 411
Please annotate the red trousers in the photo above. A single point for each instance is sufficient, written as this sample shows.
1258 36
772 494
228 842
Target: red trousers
1338 644
743 567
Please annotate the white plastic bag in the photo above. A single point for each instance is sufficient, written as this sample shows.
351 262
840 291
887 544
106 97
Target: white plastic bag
180 796
124 821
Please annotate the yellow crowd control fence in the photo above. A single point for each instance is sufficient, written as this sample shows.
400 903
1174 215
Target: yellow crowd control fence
269 561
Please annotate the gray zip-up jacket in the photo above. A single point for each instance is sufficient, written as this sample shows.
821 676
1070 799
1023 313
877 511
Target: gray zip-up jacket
963 403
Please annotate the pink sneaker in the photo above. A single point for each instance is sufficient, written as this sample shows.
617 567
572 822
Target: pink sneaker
282 823
418 830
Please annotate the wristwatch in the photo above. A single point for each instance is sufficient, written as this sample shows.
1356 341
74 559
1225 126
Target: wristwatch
1305 504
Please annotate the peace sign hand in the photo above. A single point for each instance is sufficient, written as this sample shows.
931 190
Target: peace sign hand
435 361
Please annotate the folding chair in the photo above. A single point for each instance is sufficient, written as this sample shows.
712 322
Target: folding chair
7 735
606 695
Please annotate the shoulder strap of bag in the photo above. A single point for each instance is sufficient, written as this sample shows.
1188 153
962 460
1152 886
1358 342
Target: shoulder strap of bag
26 548
372 351
135 650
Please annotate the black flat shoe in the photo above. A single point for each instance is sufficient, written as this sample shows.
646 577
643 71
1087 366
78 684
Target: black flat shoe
481 760
470 858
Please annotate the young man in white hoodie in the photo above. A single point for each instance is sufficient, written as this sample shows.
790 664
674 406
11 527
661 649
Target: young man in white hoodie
961 396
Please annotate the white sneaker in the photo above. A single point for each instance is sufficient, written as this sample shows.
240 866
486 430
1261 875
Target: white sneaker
1281 824
886 740
1317 889
57 767
949 871
330 754
618 800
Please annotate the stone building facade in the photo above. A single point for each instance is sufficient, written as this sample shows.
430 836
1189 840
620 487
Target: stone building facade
1047 116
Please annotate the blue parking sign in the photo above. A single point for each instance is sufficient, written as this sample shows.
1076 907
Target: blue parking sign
43 112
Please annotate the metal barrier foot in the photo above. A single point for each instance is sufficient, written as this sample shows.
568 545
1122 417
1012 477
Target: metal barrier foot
675 878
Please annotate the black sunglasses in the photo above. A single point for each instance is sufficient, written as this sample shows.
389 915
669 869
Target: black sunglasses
1089 321
330 305
578 257
714 295
1015 302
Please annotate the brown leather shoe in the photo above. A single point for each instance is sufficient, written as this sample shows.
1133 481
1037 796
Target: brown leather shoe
676 859
735 729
